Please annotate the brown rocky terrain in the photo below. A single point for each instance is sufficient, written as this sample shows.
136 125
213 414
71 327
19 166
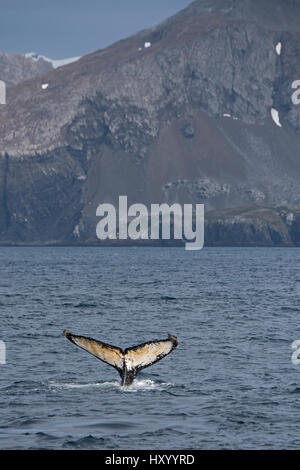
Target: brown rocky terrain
177 113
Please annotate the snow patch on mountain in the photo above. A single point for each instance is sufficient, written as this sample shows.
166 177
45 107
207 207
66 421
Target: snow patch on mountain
55 62
278 48
275 117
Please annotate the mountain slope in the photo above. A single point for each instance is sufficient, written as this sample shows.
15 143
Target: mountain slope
181 112
16 68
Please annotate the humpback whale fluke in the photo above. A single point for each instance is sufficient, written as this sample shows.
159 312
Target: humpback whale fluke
130 361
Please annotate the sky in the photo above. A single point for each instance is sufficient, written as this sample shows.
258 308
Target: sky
68 28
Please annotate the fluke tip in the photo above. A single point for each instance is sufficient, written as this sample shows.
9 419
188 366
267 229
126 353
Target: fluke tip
173 338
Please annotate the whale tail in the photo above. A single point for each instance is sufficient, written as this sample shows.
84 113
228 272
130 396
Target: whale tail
128 362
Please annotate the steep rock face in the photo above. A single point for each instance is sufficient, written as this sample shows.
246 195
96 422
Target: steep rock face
187 119
16 68
252 226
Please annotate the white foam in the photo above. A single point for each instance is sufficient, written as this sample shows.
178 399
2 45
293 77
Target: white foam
102 385
145 385
137 386
275 117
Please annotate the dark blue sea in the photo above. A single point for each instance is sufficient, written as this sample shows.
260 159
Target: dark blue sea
230 384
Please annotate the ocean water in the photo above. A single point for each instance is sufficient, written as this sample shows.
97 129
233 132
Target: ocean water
230 384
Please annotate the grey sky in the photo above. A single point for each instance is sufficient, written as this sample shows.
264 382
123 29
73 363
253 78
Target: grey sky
66 28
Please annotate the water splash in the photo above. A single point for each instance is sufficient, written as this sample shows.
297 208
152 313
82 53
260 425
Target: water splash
145 385
137 386
100 385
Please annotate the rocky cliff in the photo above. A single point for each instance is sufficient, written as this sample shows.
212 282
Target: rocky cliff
16 68
195 110
253 226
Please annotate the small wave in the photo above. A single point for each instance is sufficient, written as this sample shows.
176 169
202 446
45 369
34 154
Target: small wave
86 442
27 386
289 308
167 298
85 304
